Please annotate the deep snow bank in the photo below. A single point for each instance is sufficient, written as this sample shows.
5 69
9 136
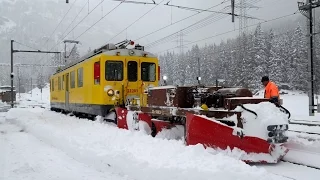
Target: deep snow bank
35 97
23 156
131 153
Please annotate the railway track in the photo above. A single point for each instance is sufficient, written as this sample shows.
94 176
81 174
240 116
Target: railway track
302 164
303 157
305 123
315 133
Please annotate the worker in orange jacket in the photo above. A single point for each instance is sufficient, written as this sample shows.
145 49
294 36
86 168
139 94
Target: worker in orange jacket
271 90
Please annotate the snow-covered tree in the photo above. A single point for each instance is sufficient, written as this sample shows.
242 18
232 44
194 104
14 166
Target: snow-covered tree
282 55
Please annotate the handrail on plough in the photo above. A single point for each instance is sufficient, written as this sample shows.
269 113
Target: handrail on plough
286 110
241 105
281 107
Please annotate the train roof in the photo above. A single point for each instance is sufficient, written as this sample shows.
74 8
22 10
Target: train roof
111 50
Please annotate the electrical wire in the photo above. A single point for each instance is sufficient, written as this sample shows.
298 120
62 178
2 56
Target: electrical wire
205 10
188 28
136 20
193 42
178 21
239 48
26 45
61 21
77 24
197 25
83 19
99 20
76 17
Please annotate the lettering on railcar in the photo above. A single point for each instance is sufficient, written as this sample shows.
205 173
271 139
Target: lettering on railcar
132 90
155 111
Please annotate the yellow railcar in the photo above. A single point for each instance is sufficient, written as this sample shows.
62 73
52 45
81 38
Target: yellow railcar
109 76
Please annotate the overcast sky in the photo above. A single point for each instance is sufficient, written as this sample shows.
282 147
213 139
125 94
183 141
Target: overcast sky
160 16
163 15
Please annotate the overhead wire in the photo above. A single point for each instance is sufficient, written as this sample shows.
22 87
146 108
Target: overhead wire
193 42
136 20
197 25
83 18
61 21
206 10
231 48
178 21
76 16
77 24
99 20
26 45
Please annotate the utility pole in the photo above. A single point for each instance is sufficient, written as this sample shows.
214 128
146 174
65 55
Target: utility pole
232 10
306 10
11 74
199 77
18 69
27 51
65 48
32 87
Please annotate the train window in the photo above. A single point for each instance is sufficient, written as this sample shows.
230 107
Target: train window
148 71
67 82
52 84
59 83
114 70
62 82
132 71
72 80
80 77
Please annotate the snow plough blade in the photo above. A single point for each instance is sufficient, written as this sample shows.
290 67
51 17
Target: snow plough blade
214 134
122 118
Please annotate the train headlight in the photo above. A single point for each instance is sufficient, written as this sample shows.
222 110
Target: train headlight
110 92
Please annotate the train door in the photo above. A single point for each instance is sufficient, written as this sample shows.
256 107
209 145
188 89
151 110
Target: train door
148 73
67 92
132 89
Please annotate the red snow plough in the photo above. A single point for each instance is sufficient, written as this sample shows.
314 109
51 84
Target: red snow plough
215 117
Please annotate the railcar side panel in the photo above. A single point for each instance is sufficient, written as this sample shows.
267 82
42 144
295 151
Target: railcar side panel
96 85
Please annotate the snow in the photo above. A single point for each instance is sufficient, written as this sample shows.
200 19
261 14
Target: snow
57 146
312 129
35 98
24 156
251 157
176 133
267 114
309 158
130 153
163 87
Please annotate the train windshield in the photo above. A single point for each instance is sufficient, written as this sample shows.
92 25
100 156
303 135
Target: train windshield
132 71
148 71
114 70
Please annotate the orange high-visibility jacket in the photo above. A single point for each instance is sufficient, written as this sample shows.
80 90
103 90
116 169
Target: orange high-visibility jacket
271 91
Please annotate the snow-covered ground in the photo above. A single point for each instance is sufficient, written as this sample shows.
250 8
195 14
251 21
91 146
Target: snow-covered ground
36 97
36 143
105 148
